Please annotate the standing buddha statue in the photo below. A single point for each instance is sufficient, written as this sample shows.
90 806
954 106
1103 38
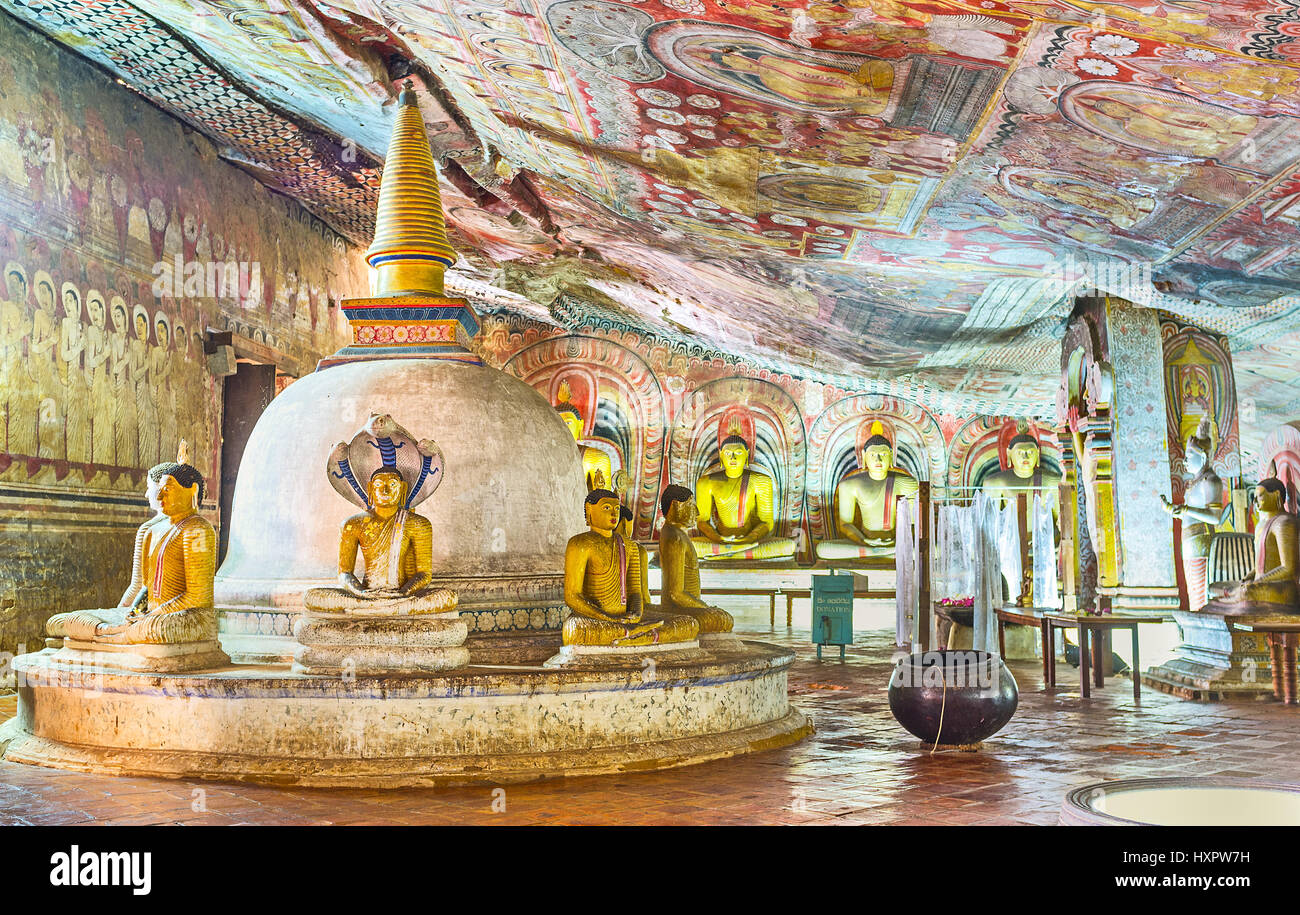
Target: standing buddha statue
1204 508
866 502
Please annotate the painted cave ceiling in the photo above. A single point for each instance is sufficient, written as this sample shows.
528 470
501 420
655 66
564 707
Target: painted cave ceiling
870 189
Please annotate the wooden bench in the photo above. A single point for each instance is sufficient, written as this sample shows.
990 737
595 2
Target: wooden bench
791 594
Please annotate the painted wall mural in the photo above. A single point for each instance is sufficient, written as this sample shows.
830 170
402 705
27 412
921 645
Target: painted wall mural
123 240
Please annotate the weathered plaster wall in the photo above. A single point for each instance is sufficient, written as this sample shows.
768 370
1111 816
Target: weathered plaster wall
102 369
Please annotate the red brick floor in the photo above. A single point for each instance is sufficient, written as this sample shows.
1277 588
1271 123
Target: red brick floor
859 768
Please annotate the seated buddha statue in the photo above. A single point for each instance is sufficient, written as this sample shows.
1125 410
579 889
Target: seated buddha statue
735 507
176 560
597 468
395 543
866 504
637 556
1203 509
1272 586
681 567
603 588
1024 475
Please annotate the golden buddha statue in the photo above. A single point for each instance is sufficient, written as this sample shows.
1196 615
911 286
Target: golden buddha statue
597 468
395 543
1203 509
603 588
175 559
1272 587
866 502
637 555
390 620
735 507
681 567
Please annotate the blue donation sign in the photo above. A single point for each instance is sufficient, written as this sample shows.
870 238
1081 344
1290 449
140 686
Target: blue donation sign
832 611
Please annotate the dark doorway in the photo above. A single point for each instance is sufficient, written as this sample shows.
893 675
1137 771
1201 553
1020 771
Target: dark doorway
247 394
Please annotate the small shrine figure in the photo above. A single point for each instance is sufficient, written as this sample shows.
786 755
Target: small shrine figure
169 622
597 468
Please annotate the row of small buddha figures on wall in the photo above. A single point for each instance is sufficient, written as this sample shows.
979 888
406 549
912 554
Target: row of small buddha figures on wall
168 606
735 503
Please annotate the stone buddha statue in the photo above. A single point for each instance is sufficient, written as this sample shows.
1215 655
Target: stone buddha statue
395 543
168 623
681 567
603 588
1025 474
391 619
1272 587
597 468
866 502
637 556
736 507
1204 508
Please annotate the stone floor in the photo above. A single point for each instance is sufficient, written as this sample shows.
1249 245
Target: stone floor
859 768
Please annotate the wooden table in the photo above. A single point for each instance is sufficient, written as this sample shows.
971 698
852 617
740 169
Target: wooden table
1030 616
1090 626
1282 640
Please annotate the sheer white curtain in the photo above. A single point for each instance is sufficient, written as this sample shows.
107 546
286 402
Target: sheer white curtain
1045 558
907 584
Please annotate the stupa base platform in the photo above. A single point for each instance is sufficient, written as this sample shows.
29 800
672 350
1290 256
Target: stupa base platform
170 658
479 724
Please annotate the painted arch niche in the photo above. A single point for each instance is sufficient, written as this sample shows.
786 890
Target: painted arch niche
621 402
832 446
976 452
779 446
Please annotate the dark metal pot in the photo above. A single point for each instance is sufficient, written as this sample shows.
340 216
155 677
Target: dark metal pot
972 690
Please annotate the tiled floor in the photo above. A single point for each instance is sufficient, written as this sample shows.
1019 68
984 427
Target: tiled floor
859 767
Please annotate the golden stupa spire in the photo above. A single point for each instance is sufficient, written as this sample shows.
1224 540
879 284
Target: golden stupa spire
410 250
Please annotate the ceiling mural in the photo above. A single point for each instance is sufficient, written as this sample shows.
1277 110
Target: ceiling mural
872 192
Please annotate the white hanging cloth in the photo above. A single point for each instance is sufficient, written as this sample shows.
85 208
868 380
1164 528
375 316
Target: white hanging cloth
905 566
988 573
1045 555
1009 548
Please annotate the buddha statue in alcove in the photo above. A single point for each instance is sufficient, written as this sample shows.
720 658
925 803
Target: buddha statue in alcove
175 559
597 468
1024 473
603 587
736 506
395 544
866 501
681 567
1272 586
1203 509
